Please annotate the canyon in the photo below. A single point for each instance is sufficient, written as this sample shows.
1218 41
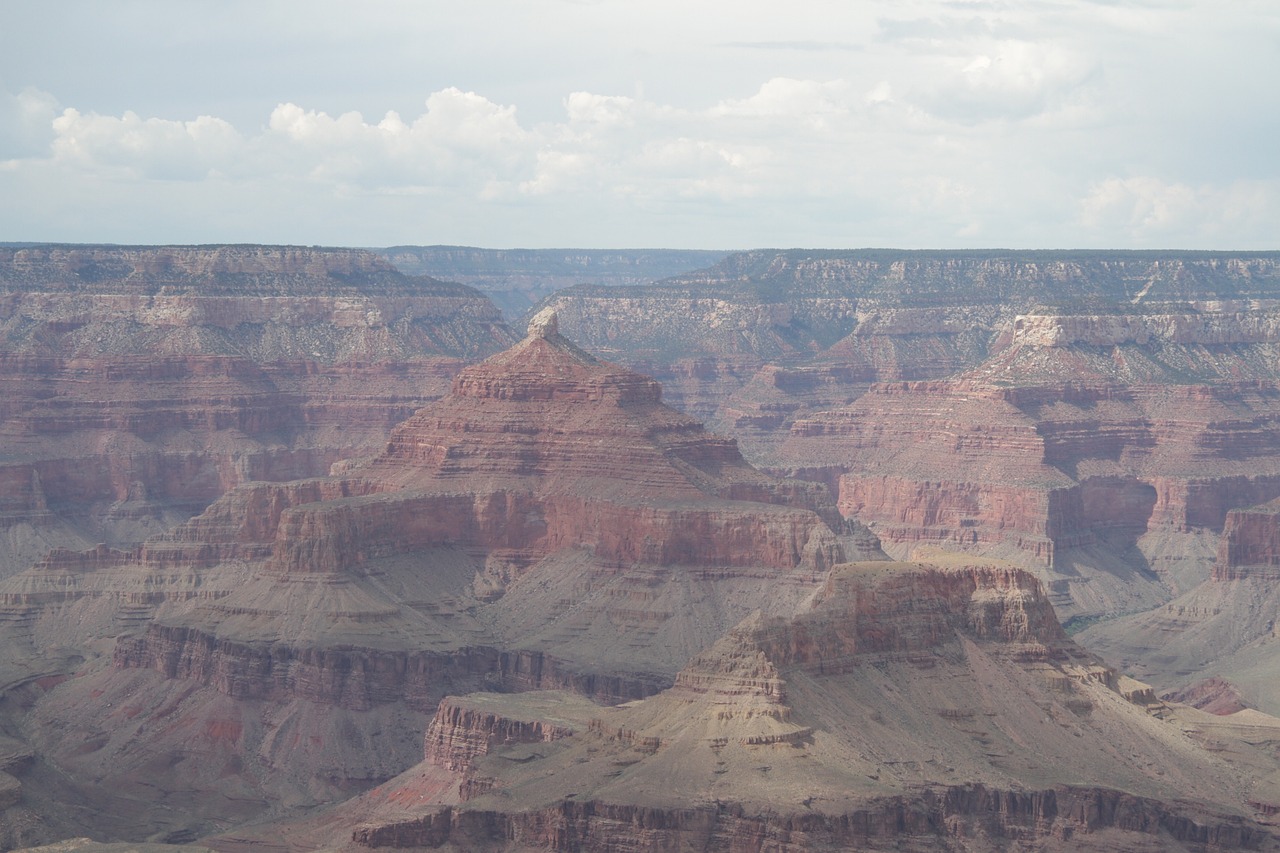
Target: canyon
341 562
139 384
548 523
892 714
518 279
1092 416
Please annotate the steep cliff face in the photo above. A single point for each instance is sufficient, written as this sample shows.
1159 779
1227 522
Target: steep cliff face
1250 545
1216 643
548 524
850 725
141 383
1093 415
1040 455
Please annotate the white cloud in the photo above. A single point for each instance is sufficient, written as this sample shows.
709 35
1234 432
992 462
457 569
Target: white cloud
787 98
1144 210
914 123
26 122
461 139
147 148
1006 80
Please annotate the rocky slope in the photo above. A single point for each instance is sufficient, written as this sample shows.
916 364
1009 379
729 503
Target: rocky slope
915 706
1091 415
139 383
1221 633
548 524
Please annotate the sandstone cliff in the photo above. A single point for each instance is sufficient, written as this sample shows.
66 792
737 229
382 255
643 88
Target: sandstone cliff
548 524
961 716
139 383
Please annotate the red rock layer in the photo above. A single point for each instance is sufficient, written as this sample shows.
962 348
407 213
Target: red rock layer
969 817
562 450
1250 544
460 732
1044 468
163 376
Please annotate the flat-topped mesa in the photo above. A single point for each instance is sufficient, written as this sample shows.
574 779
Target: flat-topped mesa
466 727
288 270
1250 544
878 609
868 614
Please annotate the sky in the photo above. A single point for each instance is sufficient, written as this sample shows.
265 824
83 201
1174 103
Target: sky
621 124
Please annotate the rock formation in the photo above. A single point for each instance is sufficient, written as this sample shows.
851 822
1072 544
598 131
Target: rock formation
1092 415
518 279
138 384
914 706
682 653
547 524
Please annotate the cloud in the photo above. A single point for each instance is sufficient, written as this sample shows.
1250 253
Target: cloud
792 100
799 45
1145 210
461 139
1006 80
26 123
991 136
146 148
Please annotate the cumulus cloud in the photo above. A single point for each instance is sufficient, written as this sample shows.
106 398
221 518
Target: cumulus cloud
1145 210
26 122
147 148
462 138
1004 80
861 149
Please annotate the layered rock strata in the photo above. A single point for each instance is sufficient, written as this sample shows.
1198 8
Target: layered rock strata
139 383
518 279
1217 643
871 722
548 524
1092 415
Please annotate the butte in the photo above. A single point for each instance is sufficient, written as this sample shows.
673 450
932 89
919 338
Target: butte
547 524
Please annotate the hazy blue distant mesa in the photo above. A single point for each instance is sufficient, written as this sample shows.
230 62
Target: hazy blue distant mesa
517 279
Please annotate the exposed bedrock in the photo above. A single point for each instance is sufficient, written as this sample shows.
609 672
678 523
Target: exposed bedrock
465 728
850 726
334 536
139 383
1054 476
359 679
1250 544
972 817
